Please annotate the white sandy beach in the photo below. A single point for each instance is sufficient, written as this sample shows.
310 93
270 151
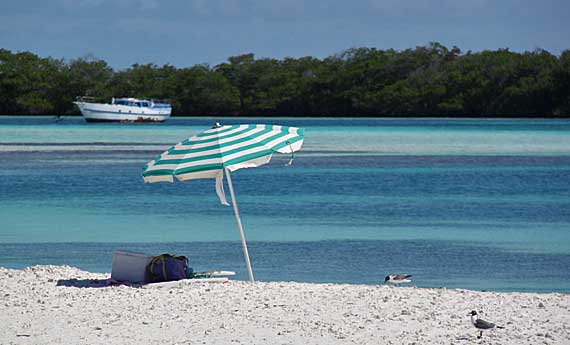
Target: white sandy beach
35 310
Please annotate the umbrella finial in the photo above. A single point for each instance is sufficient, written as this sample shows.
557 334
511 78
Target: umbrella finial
216 125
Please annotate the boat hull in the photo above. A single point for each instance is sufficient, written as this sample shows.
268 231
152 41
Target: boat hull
97 112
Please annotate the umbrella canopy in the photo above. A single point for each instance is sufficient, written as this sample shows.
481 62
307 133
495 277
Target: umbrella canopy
205 155
224 149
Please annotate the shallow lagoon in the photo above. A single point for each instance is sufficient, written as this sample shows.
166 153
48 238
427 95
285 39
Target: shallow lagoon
365 197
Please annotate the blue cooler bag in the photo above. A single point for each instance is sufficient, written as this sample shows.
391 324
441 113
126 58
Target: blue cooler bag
166 267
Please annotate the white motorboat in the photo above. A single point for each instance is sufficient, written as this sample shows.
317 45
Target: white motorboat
123 110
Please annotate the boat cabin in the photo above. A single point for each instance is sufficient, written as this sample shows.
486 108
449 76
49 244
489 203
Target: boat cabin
132 102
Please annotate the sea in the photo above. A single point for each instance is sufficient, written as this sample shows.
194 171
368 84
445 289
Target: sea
481 204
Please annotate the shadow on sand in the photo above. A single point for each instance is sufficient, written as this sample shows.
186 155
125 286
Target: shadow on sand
93 283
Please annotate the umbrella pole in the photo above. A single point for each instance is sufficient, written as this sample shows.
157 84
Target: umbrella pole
240 228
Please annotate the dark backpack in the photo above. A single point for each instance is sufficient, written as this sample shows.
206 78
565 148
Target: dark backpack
166 267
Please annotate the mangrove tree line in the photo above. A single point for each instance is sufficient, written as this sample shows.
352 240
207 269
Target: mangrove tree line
430 80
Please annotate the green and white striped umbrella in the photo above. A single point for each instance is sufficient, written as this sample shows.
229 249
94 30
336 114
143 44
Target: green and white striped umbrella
205 155
224 149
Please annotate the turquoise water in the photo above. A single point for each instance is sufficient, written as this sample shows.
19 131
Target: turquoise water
364 197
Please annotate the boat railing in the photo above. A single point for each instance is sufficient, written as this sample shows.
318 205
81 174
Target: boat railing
160 101
86 99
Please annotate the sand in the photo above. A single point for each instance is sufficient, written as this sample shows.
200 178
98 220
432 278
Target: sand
46 305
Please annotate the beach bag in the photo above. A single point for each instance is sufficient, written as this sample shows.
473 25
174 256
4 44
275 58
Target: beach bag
166 267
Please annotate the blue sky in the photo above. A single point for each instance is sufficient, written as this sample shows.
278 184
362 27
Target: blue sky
188 32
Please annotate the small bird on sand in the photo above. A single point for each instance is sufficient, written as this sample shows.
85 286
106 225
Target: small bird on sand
481 324
398 278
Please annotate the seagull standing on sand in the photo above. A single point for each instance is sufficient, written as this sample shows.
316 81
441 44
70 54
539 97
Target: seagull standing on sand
397 278
481 324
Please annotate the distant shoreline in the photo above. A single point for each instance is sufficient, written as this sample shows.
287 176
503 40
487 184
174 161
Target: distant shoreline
447 117
426 81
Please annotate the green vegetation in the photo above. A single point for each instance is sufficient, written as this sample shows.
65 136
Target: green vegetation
430 80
